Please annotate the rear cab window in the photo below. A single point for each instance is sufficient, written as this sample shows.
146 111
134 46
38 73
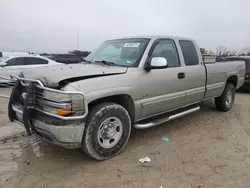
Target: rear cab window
189 52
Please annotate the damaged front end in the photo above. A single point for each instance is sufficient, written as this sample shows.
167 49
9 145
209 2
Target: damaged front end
58 116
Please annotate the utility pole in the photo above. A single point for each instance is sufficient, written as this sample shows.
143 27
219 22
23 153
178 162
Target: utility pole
77 38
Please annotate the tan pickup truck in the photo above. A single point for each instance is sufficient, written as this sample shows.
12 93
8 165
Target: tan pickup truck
138 81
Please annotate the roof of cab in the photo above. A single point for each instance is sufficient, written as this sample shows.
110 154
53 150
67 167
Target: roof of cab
154 37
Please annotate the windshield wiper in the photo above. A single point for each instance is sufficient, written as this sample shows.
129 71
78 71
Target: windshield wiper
105 62
84 60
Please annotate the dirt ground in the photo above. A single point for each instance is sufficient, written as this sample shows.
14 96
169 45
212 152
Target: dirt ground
207 149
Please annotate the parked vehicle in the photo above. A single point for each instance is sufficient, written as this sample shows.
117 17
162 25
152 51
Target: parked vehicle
246 59
8 54
16 64
140 82
66 58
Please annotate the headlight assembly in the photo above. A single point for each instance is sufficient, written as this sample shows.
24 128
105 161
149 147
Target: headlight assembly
54 96
61 103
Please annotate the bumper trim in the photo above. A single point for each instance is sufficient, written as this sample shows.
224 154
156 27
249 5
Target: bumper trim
27 79
48 137
69 136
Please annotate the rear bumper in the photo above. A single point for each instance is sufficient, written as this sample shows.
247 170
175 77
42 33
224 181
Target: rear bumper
245 86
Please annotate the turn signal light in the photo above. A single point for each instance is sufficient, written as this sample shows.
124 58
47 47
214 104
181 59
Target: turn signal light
63 112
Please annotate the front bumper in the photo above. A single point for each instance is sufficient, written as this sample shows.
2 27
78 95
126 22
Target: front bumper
63 131
69 136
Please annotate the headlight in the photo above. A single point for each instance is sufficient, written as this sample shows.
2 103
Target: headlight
58 97
62 103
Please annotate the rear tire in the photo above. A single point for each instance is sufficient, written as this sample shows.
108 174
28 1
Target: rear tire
225 102
107 131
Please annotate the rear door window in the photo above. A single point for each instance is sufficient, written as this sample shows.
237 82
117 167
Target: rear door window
35 61
189 52
15 61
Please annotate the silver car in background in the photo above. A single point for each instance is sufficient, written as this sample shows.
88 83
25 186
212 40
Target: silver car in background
16 64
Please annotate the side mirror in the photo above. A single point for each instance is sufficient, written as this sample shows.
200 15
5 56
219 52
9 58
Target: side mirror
157 63
3 64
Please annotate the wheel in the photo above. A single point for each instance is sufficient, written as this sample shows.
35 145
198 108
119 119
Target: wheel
107 130
225 102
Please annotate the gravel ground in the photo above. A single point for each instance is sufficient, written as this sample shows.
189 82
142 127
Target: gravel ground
207 149
3 105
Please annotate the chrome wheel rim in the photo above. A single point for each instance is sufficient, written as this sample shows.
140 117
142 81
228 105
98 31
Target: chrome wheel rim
110 132
229 98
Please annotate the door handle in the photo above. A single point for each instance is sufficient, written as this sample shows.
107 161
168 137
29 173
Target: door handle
181 75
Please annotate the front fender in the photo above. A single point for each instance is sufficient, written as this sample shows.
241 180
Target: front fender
108 92
114 91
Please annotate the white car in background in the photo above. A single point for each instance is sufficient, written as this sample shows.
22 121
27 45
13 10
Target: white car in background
14 65
8 54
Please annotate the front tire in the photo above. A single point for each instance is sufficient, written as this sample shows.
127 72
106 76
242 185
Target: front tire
225 102
107 130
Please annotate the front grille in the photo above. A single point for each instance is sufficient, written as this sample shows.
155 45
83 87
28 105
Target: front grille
44 100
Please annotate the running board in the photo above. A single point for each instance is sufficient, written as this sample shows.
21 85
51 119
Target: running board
166 118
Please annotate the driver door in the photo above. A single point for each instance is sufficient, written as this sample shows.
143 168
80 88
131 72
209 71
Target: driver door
162 89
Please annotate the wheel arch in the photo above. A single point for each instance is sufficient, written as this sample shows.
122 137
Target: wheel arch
124 100
233 80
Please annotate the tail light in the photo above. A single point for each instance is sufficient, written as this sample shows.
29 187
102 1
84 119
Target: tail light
247 74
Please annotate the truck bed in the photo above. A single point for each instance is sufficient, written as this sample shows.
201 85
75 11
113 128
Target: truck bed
218 73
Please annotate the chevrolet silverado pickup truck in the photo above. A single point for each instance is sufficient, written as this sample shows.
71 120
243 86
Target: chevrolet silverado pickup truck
135 82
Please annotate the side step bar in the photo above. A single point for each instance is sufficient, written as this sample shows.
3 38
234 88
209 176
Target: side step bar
166 118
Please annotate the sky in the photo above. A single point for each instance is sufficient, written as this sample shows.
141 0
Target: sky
51 25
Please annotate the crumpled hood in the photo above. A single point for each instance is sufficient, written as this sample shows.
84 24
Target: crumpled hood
53 76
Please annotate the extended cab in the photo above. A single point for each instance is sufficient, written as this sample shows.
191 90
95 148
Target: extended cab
139 82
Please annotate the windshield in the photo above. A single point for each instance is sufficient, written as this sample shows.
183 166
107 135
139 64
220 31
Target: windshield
121 52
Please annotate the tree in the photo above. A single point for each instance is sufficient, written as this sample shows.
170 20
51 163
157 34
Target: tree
222 51
245 51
